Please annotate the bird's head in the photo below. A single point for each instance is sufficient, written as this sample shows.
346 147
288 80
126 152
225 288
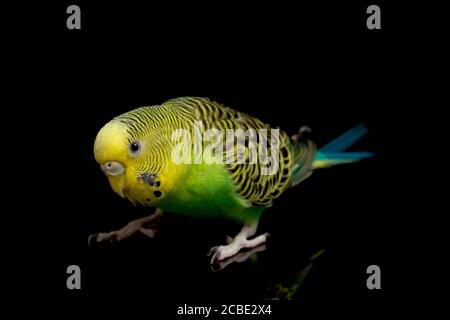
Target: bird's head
131 152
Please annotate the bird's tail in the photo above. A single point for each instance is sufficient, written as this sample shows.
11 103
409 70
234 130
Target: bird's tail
334 152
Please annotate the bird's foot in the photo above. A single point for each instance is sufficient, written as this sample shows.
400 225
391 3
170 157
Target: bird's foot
148 226
240 257
220 253
300 134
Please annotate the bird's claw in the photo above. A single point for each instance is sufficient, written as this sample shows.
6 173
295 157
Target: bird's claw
216 257
300 134
97 240
212 251
148 232
91 239
216 253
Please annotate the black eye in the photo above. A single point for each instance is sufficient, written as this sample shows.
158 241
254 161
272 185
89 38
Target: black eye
135 147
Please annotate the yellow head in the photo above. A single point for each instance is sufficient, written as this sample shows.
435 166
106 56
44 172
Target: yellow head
133 153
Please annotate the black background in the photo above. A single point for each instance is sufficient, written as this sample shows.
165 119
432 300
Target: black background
308 64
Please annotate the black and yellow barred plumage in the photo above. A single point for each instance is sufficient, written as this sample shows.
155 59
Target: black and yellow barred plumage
295 158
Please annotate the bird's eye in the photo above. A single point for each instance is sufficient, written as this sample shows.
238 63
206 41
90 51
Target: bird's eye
135 147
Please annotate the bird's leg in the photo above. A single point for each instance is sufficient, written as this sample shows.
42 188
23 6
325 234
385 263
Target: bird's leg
146 225
239 242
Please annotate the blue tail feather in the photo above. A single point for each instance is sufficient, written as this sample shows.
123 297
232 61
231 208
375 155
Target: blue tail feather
346 140
333 152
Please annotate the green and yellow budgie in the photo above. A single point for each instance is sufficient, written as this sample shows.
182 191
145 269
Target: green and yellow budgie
136 152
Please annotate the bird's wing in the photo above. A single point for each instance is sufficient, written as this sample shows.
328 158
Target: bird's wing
255 182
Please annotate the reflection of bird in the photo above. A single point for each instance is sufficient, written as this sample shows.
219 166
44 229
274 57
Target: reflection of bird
137 152
286 290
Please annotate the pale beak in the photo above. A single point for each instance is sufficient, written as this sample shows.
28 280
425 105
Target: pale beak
120 192
112 168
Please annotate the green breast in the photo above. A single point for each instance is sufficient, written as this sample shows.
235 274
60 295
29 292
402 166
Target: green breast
207 191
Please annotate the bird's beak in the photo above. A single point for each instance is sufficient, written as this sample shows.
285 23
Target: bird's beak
112 168
114 171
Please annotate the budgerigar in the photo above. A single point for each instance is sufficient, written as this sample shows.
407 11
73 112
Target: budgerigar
136 152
